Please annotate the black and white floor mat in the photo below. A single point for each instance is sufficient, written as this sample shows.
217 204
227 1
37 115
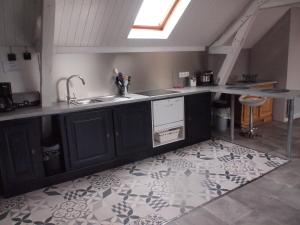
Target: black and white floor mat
148 192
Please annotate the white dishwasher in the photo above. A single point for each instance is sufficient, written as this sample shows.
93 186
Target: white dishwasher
168 121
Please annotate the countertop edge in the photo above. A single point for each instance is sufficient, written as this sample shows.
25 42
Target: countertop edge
63 108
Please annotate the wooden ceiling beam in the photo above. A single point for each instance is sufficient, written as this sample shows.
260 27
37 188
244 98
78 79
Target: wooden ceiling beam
231 57
226 49
239 30
47 49
253 7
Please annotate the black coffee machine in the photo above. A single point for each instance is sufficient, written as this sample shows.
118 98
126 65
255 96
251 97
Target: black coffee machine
6 101
205 78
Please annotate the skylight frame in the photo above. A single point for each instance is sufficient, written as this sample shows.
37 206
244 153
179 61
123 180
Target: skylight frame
169 26
164 22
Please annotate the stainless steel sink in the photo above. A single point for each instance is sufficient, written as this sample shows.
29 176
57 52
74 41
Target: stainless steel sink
87 101
107 98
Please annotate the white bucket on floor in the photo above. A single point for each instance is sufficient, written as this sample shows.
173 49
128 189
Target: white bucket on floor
221 123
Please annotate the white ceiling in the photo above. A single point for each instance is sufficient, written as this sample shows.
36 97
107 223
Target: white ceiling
106 23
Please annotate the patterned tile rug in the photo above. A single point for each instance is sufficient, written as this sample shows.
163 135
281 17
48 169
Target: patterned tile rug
149 192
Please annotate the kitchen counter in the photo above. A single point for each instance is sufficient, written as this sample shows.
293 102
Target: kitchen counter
254 84
63 107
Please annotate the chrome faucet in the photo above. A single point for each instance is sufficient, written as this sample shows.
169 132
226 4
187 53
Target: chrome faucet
69 98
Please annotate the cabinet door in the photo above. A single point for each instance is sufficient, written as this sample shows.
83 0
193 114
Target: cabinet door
90 138
198 117
133 128
20 151
266 109
246 115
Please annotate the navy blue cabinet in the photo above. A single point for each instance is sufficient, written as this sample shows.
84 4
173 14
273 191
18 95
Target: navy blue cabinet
20 153
90 138
198 117
133 128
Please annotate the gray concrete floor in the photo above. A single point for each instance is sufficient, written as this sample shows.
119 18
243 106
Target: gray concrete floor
273 199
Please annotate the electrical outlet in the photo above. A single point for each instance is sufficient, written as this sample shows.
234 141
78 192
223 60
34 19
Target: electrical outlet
184 74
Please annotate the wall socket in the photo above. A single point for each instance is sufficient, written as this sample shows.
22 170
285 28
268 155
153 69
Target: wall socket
184 74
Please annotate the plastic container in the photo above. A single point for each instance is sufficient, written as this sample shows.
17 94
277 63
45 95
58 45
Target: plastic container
52 159
221 115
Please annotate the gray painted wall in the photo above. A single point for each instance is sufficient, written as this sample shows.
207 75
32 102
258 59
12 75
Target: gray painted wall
27 77
241 66
269 59
148 71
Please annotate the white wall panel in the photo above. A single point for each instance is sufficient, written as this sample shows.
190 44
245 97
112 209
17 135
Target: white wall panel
90 21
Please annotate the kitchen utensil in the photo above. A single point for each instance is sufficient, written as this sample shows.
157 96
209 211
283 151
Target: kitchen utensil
122 82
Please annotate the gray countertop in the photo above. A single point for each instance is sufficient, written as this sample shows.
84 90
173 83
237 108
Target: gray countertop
254 84
59 108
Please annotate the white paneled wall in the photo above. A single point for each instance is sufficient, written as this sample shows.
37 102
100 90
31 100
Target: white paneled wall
93 22
18 22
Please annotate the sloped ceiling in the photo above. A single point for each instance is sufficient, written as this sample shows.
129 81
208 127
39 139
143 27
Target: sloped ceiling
18 22
104 23
264 21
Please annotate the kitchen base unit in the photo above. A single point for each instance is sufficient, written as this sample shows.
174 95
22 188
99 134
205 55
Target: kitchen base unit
89 138
93 137
21 162
91 141
198 118
167 121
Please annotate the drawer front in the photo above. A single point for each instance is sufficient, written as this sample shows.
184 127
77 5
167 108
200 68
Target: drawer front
168 111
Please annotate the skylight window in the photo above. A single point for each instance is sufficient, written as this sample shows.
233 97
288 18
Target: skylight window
157 18
153 14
